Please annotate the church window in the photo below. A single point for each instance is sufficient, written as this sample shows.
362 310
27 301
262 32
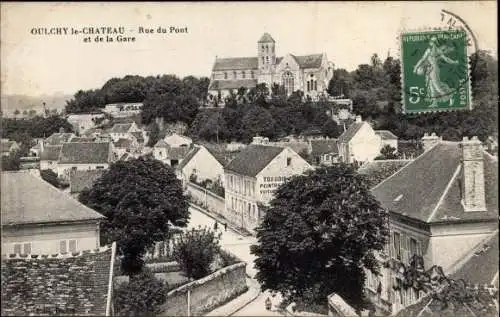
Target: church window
243 75
312 84
225 75
288 82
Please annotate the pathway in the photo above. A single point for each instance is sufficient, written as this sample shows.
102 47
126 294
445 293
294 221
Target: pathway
252 302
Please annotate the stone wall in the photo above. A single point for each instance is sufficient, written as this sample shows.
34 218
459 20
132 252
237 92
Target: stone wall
206 199
207 293
56 285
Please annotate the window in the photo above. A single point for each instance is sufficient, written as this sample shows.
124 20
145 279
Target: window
288 82
413 247
225 75
267 59
251 74
263 48
267 49
243 75
72 245
100 167
234 75
73 168
288 161
27 248
62 246
17 248
397 245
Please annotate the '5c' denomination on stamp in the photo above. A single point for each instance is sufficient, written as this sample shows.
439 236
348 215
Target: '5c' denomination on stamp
435 71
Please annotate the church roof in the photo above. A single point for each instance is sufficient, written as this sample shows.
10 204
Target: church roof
232 84
309 61
236 63
266 38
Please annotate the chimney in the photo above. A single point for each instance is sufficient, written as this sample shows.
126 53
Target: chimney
358 119
430 140
473 197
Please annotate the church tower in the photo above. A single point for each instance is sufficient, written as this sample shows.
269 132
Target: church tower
266 52
266 59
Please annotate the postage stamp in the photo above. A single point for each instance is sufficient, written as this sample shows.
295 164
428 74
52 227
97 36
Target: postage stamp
435 71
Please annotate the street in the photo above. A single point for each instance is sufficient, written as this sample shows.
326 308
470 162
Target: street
239 246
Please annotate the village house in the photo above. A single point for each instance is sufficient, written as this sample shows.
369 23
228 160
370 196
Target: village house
172 149
49 157
9 147
83 122
252 177
443 206
324 152
308 73
61 284
59 138
388 138
123 110
84 156
204 163
123 131
359 143
122 146
37 218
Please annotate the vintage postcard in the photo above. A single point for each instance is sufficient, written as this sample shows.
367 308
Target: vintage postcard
249 158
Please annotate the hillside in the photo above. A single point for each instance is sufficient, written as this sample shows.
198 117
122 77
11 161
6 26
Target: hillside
10 103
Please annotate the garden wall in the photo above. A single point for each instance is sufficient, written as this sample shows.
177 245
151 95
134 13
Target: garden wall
207 293
206 199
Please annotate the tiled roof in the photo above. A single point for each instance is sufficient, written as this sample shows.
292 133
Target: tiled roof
309 61
177 153
120 128
320 147
29 199
350 132
161 143
188 157
482 267
76 285
377 171
75 139
253 159
386 135
51 152
59 138
138 136
80 180
123 143
416 189
236 63
232 84
266 37
85 153
218 155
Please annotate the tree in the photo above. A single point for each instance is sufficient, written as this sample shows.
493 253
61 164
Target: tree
340 84
387 153
139 198
11 162
50 177
195 251
154 136
331 129
258 121
318 234
143 295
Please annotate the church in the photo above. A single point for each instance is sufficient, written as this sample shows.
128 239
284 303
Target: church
308 73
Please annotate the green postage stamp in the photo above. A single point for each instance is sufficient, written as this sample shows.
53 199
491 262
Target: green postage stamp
435 71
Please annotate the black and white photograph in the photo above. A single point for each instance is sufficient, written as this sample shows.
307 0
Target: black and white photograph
280 158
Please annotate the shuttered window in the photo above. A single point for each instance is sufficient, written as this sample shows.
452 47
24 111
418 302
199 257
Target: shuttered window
62 246
72 245
17 248
27 248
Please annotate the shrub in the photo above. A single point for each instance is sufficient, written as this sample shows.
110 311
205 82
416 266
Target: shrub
228 258
195 251
143 295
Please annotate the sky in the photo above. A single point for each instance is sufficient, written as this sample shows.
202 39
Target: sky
348 32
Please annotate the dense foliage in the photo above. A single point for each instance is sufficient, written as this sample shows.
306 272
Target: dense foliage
387 152
318 235
11 162
143 295
36 127
196 250
375 89
139 198
51 177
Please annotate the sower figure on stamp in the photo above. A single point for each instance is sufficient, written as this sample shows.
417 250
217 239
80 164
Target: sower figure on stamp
437 90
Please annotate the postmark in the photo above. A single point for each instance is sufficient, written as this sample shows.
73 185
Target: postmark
435 70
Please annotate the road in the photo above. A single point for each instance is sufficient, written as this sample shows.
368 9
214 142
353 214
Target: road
239 246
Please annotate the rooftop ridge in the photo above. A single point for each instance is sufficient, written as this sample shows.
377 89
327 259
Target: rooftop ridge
66 255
